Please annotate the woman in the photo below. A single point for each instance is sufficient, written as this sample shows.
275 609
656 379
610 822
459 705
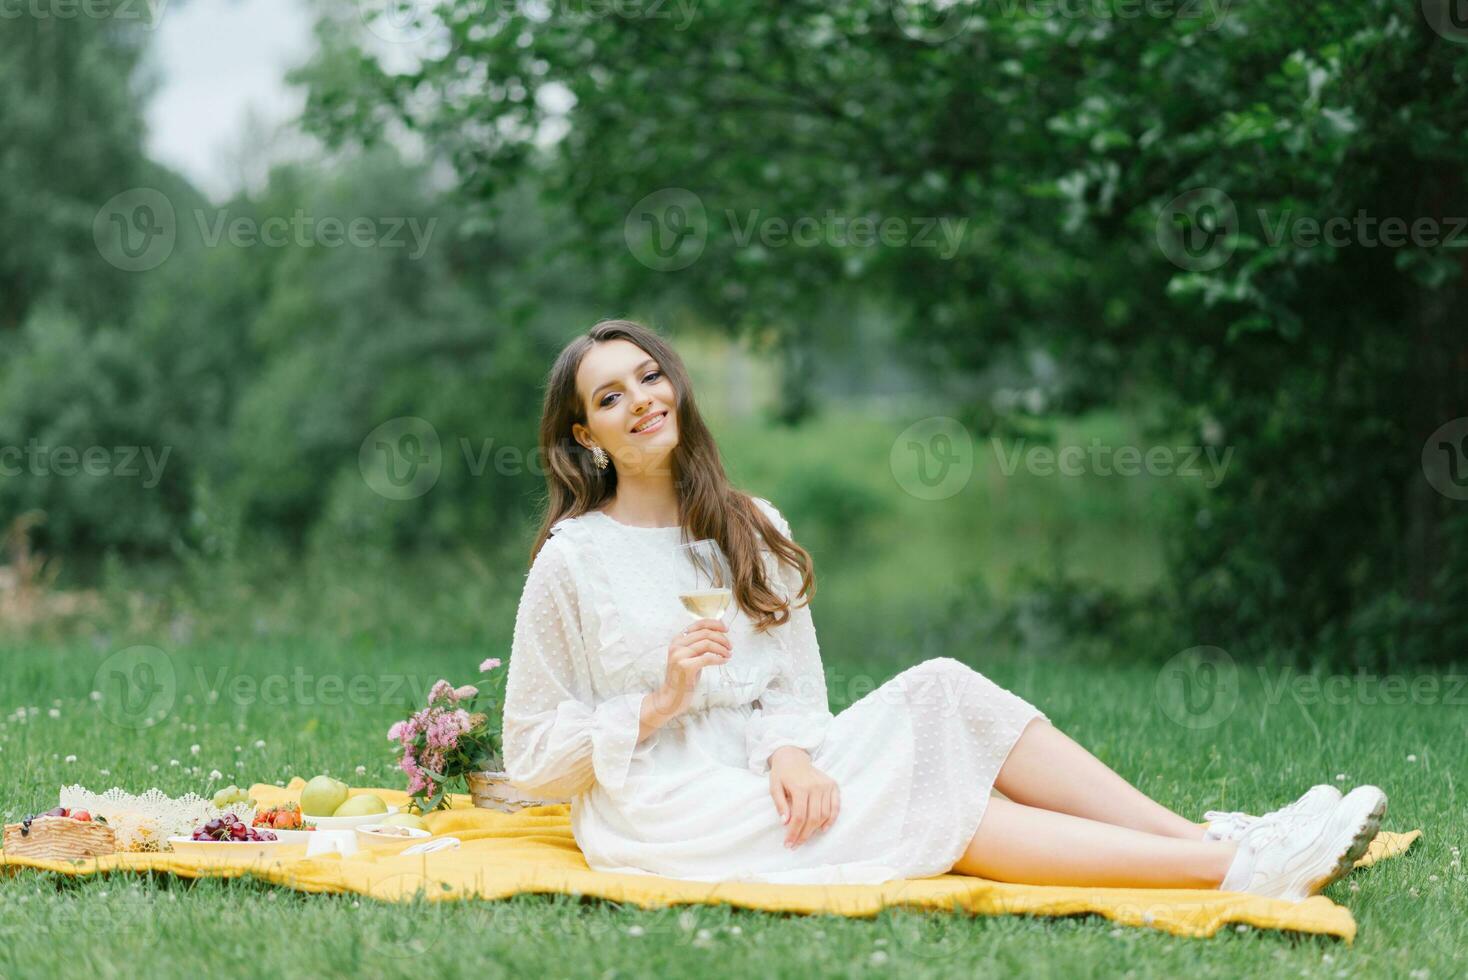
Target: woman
741 772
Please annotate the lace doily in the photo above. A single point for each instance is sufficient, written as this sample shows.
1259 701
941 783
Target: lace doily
145 822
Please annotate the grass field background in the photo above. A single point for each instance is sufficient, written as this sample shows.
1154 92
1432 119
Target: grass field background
900 580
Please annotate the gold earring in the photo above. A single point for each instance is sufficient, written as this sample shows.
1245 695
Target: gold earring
600 456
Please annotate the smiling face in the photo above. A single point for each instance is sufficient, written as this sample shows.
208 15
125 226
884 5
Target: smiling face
631 406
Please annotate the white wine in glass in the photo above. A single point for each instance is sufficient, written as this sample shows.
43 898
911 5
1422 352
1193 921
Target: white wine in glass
710 594
707 603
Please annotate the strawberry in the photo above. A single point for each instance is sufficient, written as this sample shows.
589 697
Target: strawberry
80 815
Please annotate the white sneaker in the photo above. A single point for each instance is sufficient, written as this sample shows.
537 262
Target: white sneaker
1232 824
1292 856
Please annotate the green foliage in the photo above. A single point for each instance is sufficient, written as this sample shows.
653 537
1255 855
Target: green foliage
1062 139
71 136
66 393
836 515
255 371
1051 145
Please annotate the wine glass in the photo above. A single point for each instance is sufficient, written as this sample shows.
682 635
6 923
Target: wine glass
710 593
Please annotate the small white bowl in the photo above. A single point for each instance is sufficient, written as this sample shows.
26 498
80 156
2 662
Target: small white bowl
373 834
293 836
347 823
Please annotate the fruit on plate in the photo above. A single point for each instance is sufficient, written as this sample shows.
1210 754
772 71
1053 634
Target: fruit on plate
404 820
230 828
361 805
322 796
230 794
287 816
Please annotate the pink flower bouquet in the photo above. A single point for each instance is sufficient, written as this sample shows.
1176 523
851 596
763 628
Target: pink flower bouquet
450 737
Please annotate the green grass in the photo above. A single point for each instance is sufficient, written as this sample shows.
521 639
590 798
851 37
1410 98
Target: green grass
1264 752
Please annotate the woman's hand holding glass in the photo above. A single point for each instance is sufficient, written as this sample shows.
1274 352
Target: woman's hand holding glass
703 643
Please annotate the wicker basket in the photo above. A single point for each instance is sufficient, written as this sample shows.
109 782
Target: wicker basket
59 839
493 791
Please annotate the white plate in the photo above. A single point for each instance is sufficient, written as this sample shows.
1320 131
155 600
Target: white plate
346 823
232 850
370 834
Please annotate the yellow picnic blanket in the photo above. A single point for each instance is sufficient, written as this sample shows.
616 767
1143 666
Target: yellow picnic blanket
533 851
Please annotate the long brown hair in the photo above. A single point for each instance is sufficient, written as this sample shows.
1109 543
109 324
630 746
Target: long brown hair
708 505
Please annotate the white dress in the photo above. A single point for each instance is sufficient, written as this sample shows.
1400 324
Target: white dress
915 759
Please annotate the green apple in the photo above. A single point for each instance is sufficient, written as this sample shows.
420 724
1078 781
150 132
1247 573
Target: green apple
322 796
405 820
361 805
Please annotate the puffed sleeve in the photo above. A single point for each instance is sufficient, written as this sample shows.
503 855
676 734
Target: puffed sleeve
793 707
557 742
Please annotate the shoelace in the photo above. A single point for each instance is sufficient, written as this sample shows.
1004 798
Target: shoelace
1230 822
1238 820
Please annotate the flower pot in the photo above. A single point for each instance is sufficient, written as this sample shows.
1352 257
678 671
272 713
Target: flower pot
492 790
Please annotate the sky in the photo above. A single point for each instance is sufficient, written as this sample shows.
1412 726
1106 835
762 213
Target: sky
220 99
218 62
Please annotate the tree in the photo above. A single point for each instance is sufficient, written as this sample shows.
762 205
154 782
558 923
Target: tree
1133 186
71 137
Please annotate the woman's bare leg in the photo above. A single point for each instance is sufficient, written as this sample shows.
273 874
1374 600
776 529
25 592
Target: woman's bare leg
1033 846
1049 770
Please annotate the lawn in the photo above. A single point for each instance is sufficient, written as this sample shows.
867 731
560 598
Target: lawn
1265 751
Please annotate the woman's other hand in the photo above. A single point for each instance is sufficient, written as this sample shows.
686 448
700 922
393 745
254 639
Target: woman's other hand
807 799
